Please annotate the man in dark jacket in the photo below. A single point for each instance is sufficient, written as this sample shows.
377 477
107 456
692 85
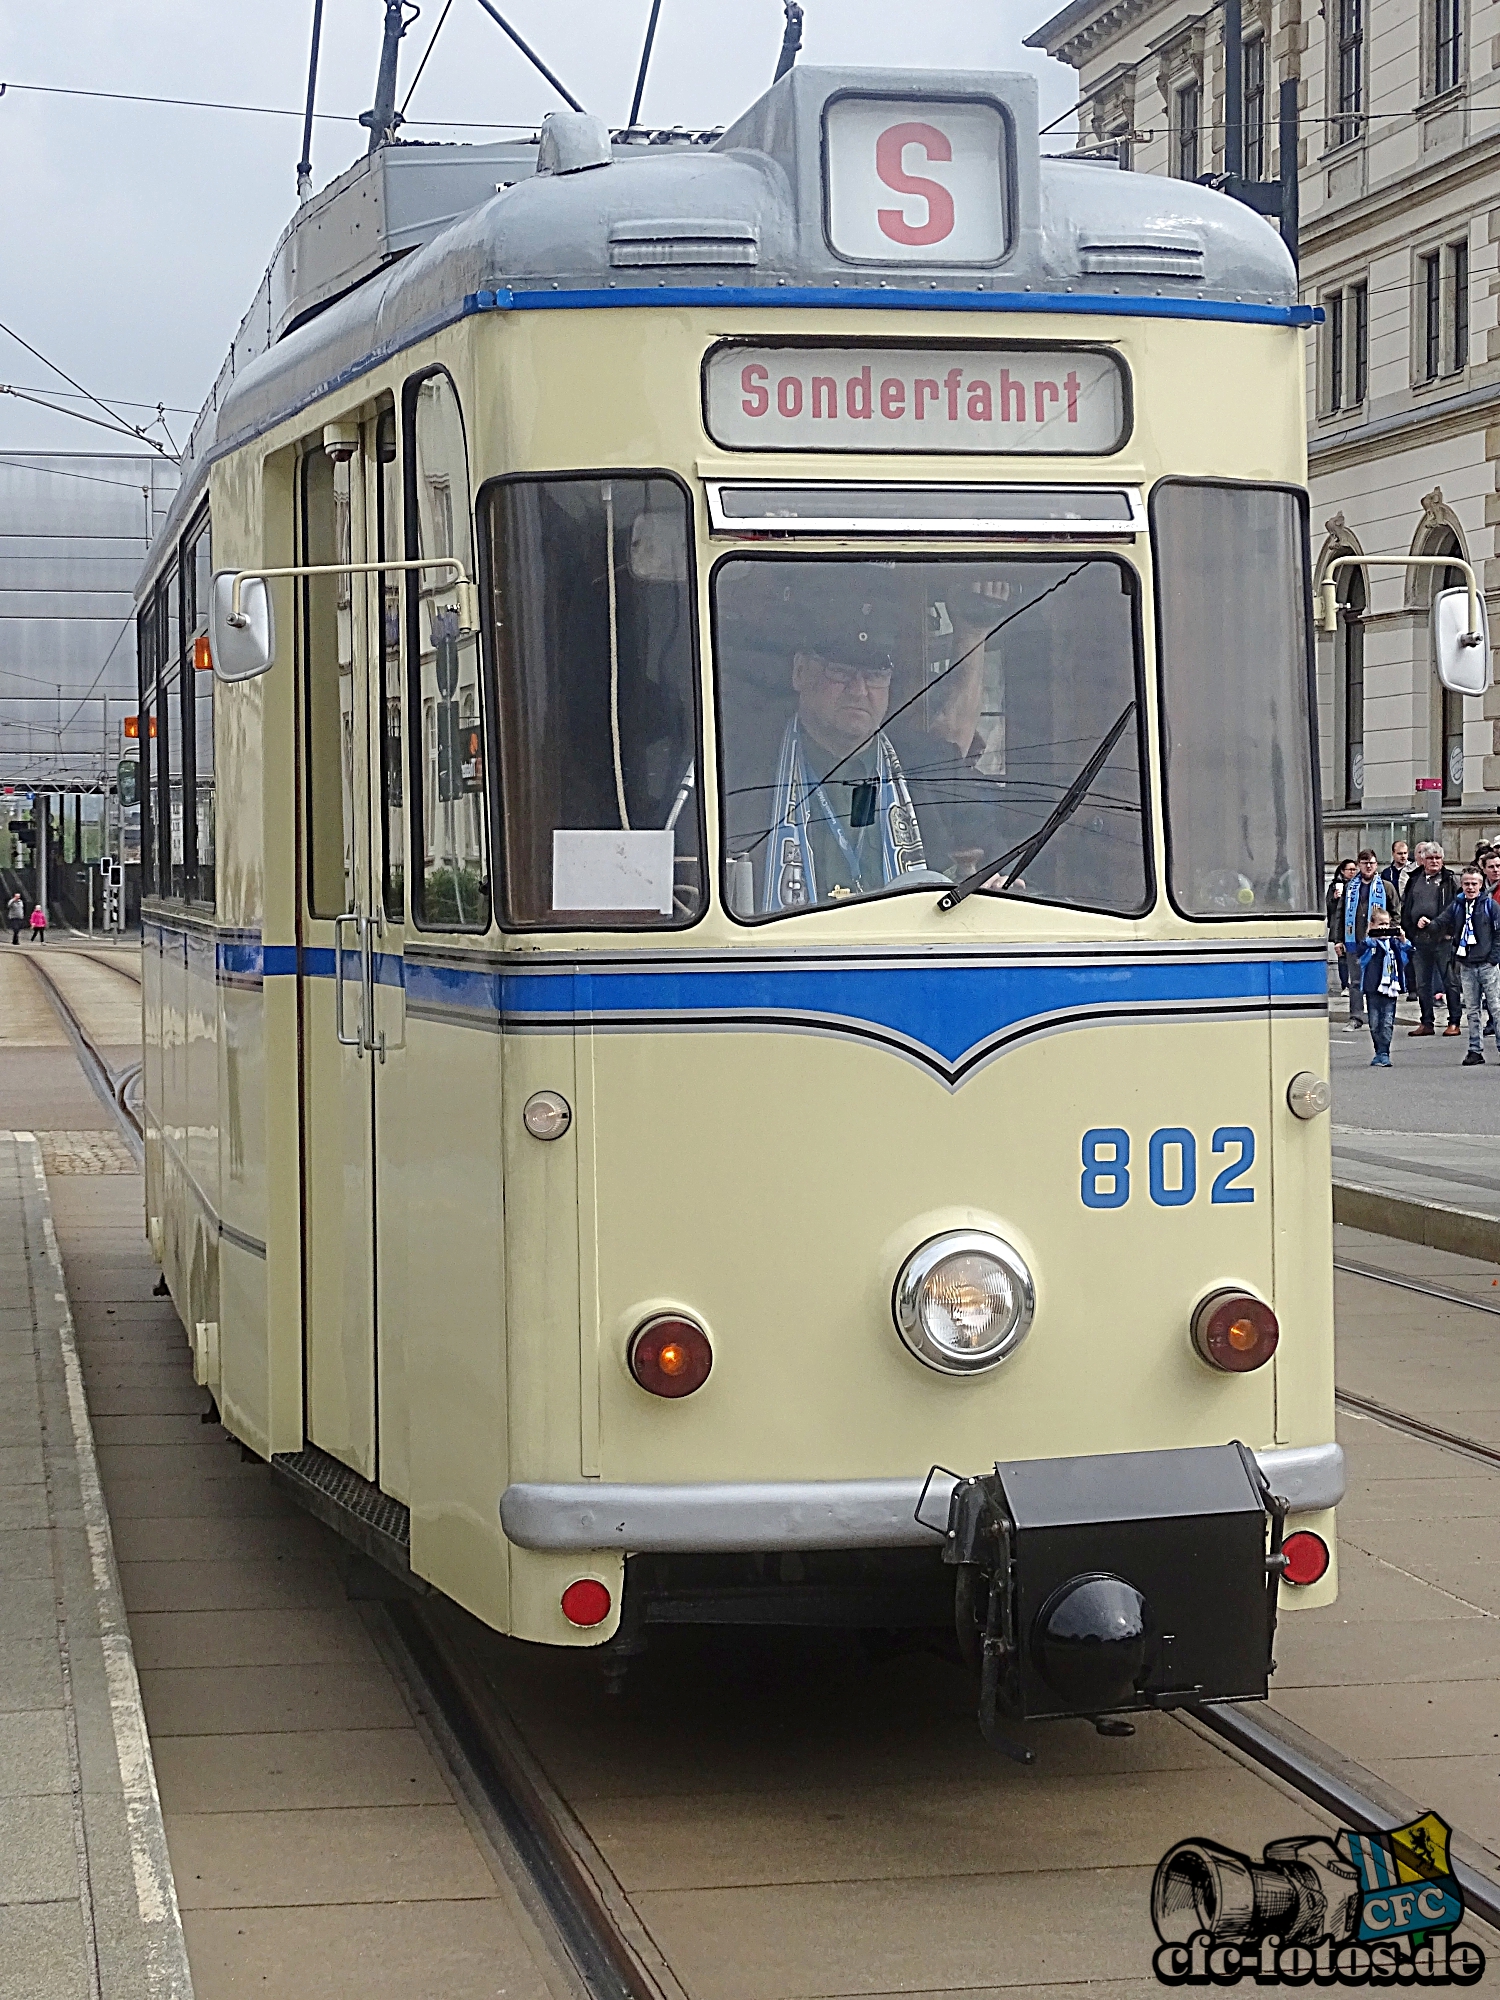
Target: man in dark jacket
1428 895
1472 922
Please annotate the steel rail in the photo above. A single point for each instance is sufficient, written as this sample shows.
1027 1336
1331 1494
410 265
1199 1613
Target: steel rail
478 1738
110 1085
1379 1277
1417 1427
98 958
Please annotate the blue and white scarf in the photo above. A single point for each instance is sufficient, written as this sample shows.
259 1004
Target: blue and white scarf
1378 901
1466 938
790 881
1390 970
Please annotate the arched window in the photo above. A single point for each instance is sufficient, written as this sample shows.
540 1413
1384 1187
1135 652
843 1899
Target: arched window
1351 673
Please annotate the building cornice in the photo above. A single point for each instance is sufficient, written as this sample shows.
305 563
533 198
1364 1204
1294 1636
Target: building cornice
1076 33
1449 418
1320 230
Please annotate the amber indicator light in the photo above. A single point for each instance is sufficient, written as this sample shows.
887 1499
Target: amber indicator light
671 1356
1235 1332
1306 1556
203 659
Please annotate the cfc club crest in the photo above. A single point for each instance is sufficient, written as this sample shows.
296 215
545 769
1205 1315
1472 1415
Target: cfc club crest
1363 1909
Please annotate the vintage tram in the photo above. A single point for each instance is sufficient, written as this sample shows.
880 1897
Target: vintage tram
734 979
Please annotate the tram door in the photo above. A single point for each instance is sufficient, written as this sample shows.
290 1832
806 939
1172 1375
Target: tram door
351 985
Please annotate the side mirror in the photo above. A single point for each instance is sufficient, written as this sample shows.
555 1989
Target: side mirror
1462 666
243 651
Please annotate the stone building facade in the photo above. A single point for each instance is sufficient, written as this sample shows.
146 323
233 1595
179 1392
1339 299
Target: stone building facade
1399 179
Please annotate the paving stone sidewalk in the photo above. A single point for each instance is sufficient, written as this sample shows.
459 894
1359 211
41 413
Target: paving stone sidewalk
88 1909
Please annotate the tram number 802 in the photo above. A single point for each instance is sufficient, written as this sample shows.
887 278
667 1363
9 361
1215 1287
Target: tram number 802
1172 1153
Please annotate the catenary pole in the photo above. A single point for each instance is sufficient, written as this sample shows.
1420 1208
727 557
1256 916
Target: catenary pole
1234 102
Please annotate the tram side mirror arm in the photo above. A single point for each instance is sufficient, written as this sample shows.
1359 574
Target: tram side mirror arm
243 640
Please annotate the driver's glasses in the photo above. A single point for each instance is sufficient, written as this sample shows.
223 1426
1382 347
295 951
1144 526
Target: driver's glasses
876 679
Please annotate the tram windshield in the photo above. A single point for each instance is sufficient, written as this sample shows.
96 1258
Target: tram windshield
906 724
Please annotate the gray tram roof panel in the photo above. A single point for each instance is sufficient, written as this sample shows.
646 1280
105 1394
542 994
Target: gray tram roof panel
404 240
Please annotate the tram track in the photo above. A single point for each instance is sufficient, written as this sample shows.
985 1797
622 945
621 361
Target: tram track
609 1951
114 1086
554 1863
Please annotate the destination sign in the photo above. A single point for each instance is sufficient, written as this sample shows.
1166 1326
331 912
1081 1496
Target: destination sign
929 399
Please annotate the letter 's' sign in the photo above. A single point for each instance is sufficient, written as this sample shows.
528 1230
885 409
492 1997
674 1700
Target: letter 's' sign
1034 400
915 181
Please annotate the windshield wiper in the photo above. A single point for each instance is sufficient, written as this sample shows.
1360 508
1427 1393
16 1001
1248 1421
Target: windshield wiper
1020 857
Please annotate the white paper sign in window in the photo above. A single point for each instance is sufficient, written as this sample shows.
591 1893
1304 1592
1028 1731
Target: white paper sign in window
915 181
612 869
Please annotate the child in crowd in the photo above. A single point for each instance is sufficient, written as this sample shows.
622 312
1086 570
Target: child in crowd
1383 961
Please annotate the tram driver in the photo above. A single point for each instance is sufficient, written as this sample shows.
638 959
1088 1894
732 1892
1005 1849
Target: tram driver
842 821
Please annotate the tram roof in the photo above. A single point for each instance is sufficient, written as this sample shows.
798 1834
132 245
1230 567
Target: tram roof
742 220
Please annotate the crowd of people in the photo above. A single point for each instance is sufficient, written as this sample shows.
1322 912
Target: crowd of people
1420 928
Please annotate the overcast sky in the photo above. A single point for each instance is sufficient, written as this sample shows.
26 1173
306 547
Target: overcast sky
133 236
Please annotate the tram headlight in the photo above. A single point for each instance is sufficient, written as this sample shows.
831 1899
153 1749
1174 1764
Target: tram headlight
964 1301
1235 1331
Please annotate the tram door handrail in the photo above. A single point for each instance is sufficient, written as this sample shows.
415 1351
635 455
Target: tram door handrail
359 1041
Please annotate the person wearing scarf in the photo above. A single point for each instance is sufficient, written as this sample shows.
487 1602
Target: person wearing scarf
1364 895
1383 960
842 821
1472 920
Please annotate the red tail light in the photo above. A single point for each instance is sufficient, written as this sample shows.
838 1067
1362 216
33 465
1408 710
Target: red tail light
586 1602
1235 1332
1307 1557
671 1356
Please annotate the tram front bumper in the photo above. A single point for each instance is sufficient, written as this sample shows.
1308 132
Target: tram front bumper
753 1516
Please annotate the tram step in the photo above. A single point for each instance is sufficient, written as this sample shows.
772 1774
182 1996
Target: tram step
377 1525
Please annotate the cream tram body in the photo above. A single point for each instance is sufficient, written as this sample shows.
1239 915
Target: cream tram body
767 1113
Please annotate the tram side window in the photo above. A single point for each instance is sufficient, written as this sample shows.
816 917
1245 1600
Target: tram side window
197 579
590 618
172 697
328 684
145 639
450 886
1237 731
392 781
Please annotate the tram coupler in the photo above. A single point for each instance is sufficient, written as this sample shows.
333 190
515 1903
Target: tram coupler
1115 1584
